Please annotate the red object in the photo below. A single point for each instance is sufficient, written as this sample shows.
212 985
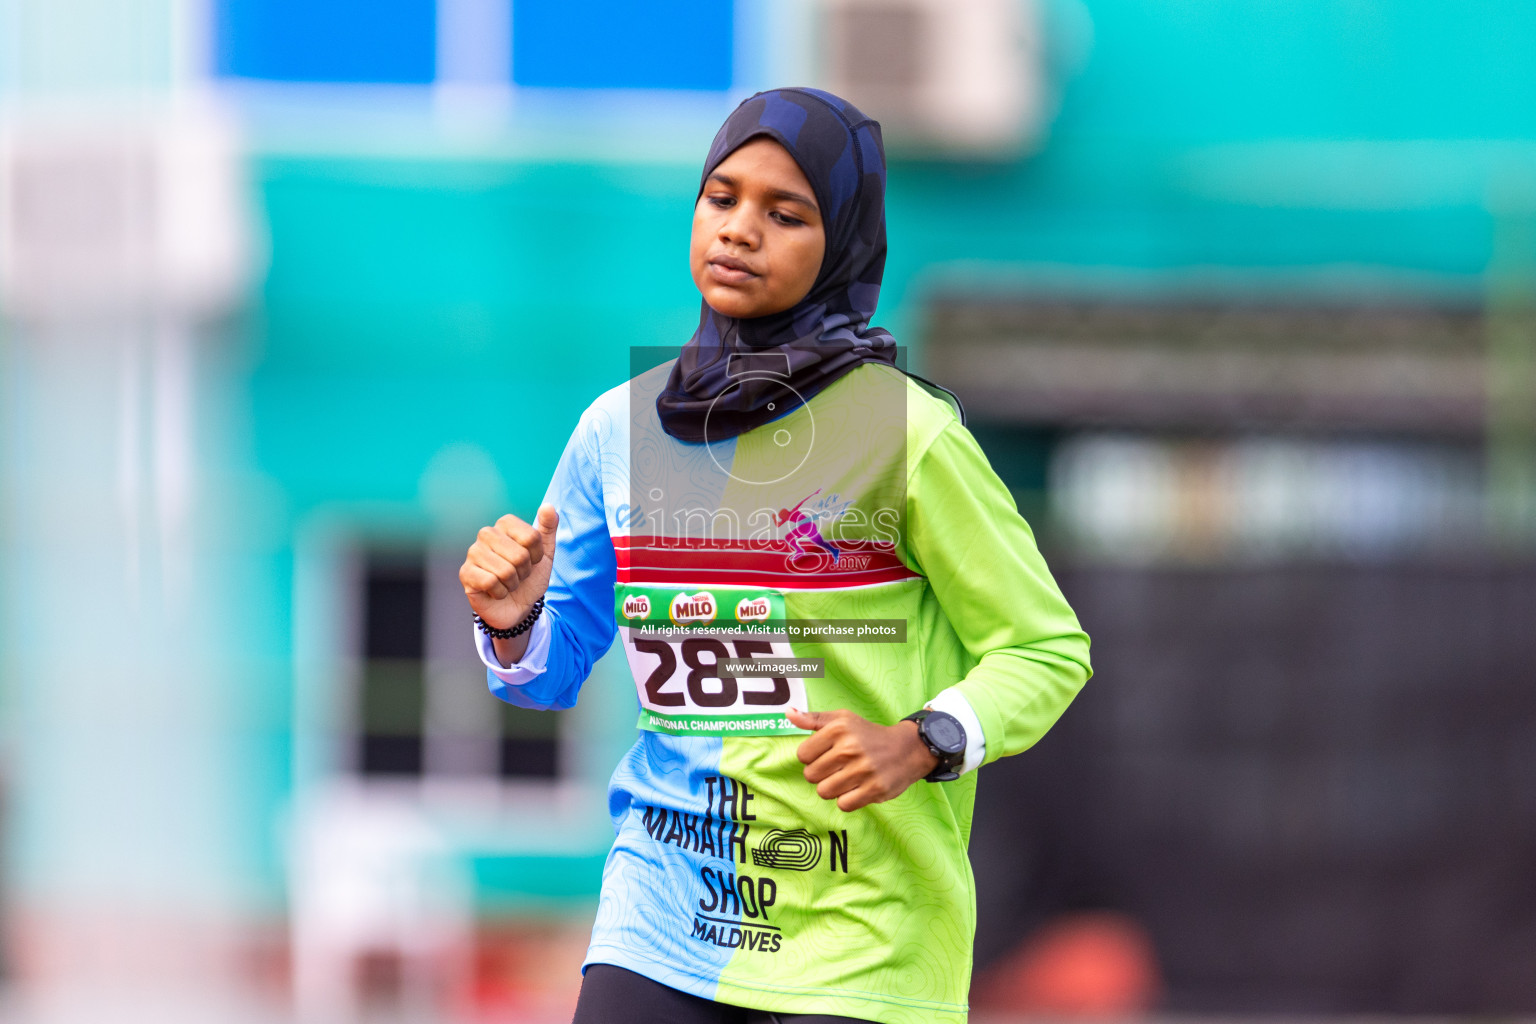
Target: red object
1099 964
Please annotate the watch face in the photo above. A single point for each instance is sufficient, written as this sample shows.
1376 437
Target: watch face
944 732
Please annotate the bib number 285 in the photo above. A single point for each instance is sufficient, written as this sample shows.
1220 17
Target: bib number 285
676 639
699 684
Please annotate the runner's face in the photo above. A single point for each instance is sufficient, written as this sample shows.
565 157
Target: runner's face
757 233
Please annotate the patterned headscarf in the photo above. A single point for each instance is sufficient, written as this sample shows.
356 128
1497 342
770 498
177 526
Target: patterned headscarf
825 334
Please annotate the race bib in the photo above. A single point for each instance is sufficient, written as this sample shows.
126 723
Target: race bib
676 640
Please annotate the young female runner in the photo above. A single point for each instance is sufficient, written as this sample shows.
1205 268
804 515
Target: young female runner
770 493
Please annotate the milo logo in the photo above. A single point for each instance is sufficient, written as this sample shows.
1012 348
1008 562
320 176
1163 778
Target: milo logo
637 606
690 608
753 609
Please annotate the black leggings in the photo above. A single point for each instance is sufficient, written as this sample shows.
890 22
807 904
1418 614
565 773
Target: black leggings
612 995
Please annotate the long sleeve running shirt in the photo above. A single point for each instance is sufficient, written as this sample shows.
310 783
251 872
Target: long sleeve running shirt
870 507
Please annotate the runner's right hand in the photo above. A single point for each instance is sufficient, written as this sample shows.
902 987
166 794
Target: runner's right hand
507 568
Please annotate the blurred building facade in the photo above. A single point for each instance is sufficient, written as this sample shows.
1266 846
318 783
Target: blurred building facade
1239 296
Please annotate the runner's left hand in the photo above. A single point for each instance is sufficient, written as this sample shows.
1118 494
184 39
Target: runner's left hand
857 762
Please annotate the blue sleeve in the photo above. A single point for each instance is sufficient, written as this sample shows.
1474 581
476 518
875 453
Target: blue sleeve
579 603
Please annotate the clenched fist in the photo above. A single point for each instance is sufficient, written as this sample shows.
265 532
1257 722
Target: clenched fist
857 762
507 570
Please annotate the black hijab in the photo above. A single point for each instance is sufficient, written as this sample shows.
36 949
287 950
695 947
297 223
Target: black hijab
731 369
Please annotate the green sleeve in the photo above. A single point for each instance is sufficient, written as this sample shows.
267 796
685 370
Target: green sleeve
966 535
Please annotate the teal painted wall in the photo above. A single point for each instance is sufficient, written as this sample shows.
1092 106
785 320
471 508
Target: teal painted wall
457 302
1258 144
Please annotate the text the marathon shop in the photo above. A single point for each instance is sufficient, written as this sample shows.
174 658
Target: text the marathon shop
733 911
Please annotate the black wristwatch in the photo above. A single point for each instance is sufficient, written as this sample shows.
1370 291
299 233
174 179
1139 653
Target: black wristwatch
944 737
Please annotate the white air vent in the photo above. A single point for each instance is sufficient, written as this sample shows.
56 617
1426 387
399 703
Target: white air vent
98 217
952 76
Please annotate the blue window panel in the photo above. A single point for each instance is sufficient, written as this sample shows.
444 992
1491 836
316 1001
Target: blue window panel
327 40
622 44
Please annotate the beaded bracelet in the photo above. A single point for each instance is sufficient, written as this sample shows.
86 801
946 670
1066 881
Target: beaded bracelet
517 630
